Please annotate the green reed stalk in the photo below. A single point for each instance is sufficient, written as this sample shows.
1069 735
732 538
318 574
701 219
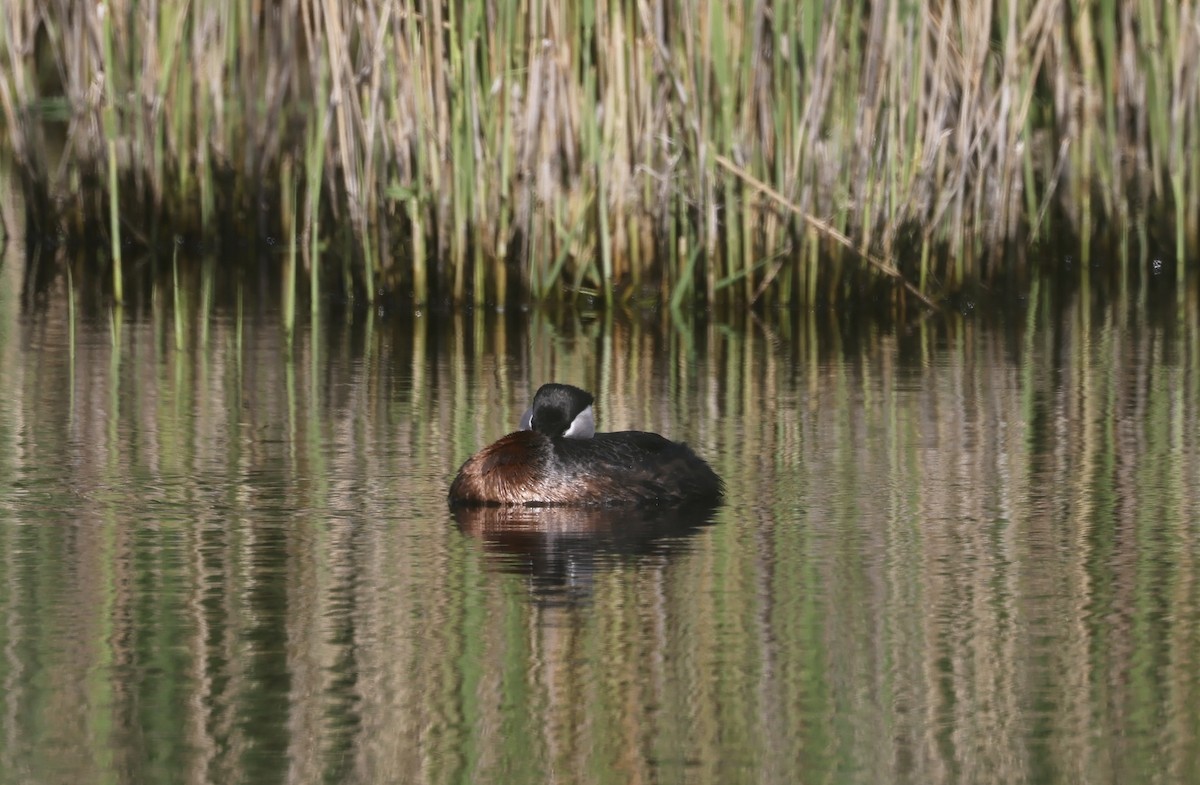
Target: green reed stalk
207 298
239 328
165 44
71 330
110 135
457 131
289 268
115 223
408 190
177 300
314 167
505 50
604 228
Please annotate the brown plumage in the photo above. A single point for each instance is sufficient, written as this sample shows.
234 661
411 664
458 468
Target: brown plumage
536 467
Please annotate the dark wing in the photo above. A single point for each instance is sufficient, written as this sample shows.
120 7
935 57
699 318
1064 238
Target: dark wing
646 466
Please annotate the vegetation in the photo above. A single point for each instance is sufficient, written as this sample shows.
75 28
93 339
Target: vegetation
481 150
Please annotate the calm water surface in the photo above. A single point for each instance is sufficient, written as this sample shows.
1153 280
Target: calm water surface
962 550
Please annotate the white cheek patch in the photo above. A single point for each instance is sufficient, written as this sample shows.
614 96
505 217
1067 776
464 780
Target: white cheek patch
527 420
583 426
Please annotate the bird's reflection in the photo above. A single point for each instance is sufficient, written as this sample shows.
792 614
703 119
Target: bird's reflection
561 550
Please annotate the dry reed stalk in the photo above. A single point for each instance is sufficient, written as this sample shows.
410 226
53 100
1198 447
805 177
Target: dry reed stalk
469 128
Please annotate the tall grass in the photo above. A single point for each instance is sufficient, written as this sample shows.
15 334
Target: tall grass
479 150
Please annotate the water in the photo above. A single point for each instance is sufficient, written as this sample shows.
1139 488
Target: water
960 550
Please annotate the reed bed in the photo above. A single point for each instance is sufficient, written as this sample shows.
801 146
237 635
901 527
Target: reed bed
724 152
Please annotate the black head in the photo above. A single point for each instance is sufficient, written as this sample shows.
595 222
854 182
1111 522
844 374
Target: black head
561 410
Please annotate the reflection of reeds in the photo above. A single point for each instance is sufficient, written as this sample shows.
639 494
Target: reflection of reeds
475 149
960 553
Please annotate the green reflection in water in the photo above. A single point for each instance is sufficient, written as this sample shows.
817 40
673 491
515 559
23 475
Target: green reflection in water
964 550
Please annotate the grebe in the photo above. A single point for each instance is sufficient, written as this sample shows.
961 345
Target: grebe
557 458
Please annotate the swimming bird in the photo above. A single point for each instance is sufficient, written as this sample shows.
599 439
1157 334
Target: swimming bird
557 458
